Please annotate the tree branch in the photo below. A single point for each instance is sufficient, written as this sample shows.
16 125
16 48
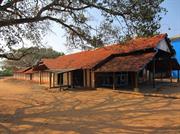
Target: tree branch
8 4
107 10
13 56
11 22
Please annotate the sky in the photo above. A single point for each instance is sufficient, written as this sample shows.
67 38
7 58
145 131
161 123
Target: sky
170 24
171 21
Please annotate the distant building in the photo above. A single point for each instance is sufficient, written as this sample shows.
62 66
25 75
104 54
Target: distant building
175 41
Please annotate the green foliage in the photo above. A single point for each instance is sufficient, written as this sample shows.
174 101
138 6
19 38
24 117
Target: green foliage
145 17
114 20
6 72
34 56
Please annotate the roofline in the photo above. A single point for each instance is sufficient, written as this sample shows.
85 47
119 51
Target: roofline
60 70
23 70
105 46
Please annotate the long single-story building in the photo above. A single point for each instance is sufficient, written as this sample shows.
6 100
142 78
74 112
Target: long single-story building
129 64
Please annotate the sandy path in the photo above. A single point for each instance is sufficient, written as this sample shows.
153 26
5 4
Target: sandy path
27 109
11 88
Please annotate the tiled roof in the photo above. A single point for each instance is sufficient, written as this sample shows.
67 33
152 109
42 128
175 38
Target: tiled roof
33 69
23 70
30 71
130 63
36 69
88 59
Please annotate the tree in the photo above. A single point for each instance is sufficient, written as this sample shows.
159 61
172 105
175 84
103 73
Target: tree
6 72
34 56
23 20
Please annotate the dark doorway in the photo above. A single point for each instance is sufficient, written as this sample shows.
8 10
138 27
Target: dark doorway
106 79
30 76
60 79
78 78
122 79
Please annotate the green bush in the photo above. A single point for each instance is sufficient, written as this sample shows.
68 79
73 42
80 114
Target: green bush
6 72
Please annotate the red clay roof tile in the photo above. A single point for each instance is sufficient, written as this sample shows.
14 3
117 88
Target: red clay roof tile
23 70
130 63
30 71
88 59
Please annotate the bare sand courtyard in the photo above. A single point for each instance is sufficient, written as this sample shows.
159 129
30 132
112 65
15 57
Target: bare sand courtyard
25 108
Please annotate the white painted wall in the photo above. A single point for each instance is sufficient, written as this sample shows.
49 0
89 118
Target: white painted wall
163 46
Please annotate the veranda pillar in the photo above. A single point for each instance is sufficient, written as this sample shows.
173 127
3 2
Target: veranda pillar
178 76
136 77
50 80
154 71
114 81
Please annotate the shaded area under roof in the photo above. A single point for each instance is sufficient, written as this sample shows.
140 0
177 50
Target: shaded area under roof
131 63
175 64
164 65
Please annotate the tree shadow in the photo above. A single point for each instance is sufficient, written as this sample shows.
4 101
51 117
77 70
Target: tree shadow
70 113
162 87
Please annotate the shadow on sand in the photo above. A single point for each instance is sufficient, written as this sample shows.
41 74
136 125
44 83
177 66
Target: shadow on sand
110 115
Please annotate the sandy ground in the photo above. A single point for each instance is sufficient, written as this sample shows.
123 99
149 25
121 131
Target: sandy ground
25 108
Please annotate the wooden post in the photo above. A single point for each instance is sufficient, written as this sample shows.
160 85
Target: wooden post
149 76
170 71
114 81
154 71
136 77
161 76
60 78
90 80
40 80
178 76
84 78
68 79
53 79
72 84
50 79
146 74
132 79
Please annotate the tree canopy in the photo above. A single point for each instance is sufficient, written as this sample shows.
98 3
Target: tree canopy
22 20
34 56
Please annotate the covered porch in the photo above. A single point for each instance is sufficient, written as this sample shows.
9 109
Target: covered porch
132 71
71 78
